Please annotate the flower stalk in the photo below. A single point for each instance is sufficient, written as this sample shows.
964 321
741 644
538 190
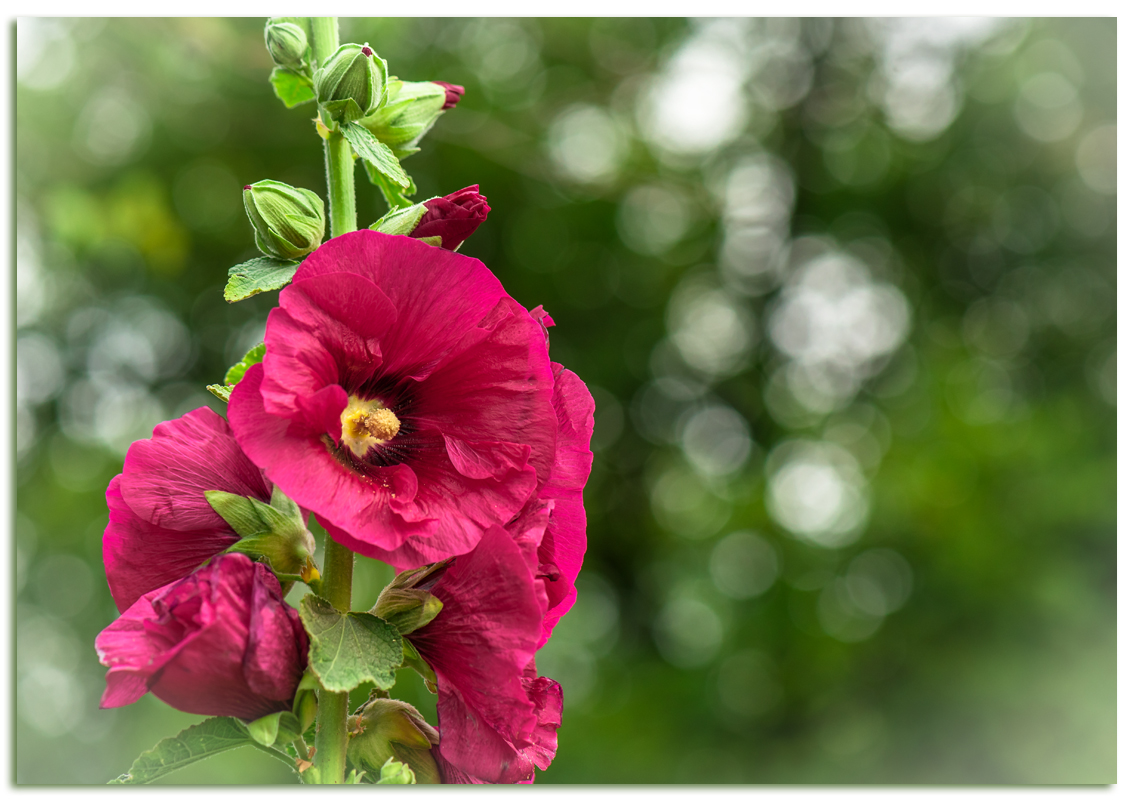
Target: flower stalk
338 561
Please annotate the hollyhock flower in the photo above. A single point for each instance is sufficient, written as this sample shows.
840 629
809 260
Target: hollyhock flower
564 541
161 525
220 642
453 94
496 718
454 218
404 398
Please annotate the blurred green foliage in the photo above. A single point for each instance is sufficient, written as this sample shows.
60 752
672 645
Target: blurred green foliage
844 292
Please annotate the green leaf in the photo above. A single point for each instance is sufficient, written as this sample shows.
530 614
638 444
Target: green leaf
291 87
396 198
258 275
348 649
211 737
373 152
220 391
254 356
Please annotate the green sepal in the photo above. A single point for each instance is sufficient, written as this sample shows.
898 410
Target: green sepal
401 220
273 532
275 728
395 773
254 356
292 88
348 649
211 737
220 391
354 777
258 275
373 152
406 609
434 241
396 198
412 659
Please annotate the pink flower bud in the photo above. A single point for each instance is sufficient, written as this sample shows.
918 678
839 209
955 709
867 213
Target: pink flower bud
454 218
453 94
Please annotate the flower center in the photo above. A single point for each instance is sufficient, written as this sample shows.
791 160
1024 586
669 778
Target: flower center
367 424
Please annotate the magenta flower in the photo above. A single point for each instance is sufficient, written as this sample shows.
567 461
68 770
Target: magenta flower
405 398
454 218
453 94
220 642
564 541
161 526
496 718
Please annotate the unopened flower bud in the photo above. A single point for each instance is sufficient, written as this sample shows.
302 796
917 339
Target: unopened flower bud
289 222
412 107
287 43
351 83
406 609
388 728
453 218
453 94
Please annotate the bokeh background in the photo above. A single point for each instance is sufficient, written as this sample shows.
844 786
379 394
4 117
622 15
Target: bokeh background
844 292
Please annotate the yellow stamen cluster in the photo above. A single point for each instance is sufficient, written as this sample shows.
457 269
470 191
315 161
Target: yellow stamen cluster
367 424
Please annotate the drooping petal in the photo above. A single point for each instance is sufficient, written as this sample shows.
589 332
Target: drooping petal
479 646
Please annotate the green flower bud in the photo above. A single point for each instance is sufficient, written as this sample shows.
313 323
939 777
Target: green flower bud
273 533
351 83
287 43
385 729
289 222
412 107
406 602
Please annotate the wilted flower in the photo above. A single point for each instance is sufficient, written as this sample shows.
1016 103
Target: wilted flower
162 526
496 718
405 398
220 642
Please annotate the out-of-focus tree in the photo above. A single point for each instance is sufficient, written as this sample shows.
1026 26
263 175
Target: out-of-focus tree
844 292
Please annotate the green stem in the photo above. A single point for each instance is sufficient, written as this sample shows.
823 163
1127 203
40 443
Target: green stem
338 562
340 183
331 718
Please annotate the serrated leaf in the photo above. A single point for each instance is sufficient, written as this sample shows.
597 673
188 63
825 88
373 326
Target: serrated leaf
373 152
348 649
396 197
211 737
220 391
258 275
292 89
254 356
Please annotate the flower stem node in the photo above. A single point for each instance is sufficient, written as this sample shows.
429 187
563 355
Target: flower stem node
272 533
350 84
287 43
389 729
289 222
